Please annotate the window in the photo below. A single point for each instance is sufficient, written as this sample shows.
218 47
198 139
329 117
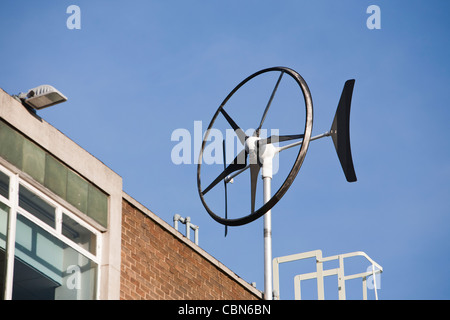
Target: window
38 207
47 268
76 232
50 253
4 185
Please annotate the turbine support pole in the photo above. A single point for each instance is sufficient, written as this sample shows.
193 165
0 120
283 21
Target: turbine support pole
268 292
266 155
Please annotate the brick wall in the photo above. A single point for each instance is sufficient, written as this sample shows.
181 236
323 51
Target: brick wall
159 263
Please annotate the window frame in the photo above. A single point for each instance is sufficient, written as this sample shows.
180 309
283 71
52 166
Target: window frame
15 181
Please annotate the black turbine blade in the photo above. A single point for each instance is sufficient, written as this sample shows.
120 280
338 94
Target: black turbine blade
275 139
340 131
239 132
268 105
254 170
240 162
225 185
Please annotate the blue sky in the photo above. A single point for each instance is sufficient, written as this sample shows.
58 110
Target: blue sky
138 70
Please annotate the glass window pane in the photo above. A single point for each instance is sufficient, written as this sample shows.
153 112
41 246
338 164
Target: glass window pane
36 206
98 206
79 234
55 176
46 268
77 191
4 185
4 211
11 144
33 160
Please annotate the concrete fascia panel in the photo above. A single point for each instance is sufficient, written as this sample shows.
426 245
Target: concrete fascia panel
74 156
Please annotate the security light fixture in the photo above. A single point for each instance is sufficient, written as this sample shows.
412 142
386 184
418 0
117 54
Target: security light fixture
41 97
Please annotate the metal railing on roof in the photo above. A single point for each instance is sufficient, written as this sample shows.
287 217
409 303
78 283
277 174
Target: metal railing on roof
320 273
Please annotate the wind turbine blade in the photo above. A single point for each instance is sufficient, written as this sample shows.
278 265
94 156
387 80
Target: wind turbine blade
239 132
275 139
238 163
268 104
225 185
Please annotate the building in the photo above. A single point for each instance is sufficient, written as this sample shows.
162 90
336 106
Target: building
68 231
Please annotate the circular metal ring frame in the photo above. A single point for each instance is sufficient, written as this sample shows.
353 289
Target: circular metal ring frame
297 164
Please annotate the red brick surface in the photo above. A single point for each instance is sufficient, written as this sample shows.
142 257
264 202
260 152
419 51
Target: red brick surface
158 265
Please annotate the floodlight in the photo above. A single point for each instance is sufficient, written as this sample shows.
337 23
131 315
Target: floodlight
42 97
